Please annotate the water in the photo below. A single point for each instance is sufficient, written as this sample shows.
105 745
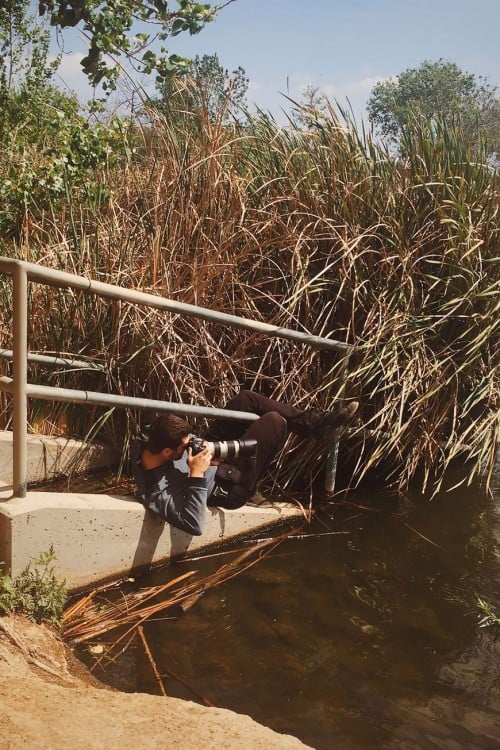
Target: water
354 640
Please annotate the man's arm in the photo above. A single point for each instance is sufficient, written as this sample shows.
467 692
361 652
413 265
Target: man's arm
173 492
185 508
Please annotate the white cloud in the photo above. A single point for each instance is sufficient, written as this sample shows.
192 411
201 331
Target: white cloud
70 75
271 96
360 87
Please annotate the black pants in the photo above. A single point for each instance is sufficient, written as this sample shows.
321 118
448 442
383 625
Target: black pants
275 421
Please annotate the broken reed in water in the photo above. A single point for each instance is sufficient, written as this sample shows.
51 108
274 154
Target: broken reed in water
97 614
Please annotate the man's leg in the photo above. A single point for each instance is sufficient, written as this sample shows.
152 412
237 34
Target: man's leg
276 420
270 431
305 423
248 401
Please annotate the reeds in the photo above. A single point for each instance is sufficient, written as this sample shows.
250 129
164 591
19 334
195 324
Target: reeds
320 230
100 613
109 620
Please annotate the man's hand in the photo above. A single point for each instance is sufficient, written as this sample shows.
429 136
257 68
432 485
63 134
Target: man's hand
199 463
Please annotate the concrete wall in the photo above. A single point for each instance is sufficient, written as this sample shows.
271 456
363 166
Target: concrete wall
98 537
49 457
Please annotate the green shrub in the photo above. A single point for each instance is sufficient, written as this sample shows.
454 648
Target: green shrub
36 592
49 146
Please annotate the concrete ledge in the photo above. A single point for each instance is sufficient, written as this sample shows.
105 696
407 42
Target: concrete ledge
49 457
99 537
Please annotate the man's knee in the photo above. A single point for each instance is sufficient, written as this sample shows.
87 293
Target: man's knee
243 399
276 423
245 393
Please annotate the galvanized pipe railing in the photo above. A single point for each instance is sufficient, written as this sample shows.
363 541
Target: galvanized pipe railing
20 410
22 272
47 360
51 277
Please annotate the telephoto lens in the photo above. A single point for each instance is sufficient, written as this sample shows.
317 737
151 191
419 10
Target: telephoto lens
223 449
233 448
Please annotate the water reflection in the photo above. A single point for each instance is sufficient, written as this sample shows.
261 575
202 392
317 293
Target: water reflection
366 638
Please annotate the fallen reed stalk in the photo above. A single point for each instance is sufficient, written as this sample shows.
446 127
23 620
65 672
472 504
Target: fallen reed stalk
95 615
140 630
198 696
98 614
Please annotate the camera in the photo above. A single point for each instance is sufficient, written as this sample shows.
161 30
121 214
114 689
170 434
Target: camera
223 449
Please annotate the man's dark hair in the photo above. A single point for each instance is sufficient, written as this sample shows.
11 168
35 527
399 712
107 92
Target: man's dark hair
167 431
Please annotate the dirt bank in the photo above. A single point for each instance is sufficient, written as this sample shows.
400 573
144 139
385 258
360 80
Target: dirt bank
49 701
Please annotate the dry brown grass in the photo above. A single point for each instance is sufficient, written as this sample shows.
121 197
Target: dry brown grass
320 231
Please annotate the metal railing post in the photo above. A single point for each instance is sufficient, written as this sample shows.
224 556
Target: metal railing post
331 465
20 362
333 455
22 272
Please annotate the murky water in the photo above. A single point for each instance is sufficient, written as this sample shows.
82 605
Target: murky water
367 638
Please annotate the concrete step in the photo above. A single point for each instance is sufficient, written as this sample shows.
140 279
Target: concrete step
101 537
50 457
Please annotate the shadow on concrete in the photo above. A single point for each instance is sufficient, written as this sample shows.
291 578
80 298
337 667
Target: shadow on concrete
222 519
149 536
179 541
6 491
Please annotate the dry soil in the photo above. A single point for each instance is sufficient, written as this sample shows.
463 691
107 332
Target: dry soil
49 701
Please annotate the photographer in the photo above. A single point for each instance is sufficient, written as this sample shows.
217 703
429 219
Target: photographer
178 475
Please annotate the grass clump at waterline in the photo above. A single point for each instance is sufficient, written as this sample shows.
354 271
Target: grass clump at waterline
320 230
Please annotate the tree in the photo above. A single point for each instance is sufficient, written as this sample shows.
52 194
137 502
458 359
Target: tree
47 145
24 49
205 88
312 109
27 97
109 25
437 90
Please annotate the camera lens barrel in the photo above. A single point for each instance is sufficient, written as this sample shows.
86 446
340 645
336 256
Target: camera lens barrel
222 449
233 448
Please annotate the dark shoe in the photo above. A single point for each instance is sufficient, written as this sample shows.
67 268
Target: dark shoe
326 422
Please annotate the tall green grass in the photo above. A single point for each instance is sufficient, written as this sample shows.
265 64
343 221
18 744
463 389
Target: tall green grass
321 231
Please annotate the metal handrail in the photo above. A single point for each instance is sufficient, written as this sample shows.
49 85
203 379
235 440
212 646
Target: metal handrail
72 396
52 277
21 390
54 361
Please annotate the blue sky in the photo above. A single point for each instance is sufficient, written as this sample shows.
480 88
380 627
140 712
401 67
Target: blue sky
343 47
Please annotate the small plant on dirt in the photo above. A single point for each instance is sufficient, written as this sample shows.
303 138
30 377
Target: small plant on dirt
36 592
